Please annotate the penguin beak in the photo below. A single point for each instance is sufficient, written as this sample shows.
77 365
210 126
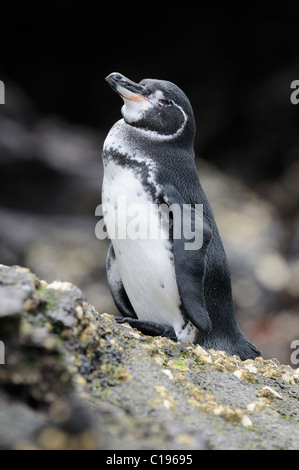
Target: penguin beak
126 88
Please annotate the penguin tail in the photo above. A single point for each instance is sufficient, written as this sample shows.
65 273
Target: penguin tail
245 349
237 344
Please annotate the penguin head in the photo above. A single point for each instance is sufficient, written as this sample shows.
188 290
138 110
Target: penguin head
158 108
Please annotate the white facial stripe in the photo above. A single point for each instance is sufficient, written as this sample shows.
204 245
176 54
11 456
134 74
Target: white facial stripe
165 137
135 106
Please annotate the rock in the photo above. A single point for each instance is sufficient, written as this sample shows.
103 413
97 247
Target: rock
76 379
269 393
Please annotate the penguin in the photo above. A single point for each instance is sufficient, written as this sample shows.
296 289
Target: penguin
162 285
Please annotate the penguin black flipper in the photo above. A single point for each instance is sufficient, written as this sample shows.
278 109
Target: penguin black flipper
116 286
190 261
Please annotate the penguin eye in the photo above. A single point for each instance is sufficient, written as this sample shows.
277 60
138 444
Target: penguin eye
164 102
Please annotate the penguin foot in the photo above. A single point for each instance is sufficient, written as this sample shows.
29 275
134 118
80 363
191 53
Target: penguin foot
149 328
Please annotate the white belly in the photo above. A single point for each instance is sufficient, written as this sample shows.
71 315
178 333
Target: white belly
144 258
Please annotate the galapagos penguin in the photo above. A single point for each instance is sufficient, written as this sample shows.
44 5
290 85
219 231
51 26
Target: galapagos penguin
161 284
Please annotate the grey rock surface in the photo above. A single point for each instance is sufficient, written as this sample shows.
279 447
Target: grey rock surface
75 379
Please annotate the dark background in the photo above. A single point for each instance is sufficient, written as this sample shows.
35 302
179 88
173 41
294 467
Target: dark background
234 62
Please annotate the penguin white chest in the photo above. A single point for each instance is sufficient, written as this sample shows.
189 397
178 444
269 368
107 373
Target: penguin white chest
143 251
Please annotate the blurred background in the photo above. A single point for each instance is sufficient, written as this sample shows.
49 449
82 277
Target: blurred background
235 64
